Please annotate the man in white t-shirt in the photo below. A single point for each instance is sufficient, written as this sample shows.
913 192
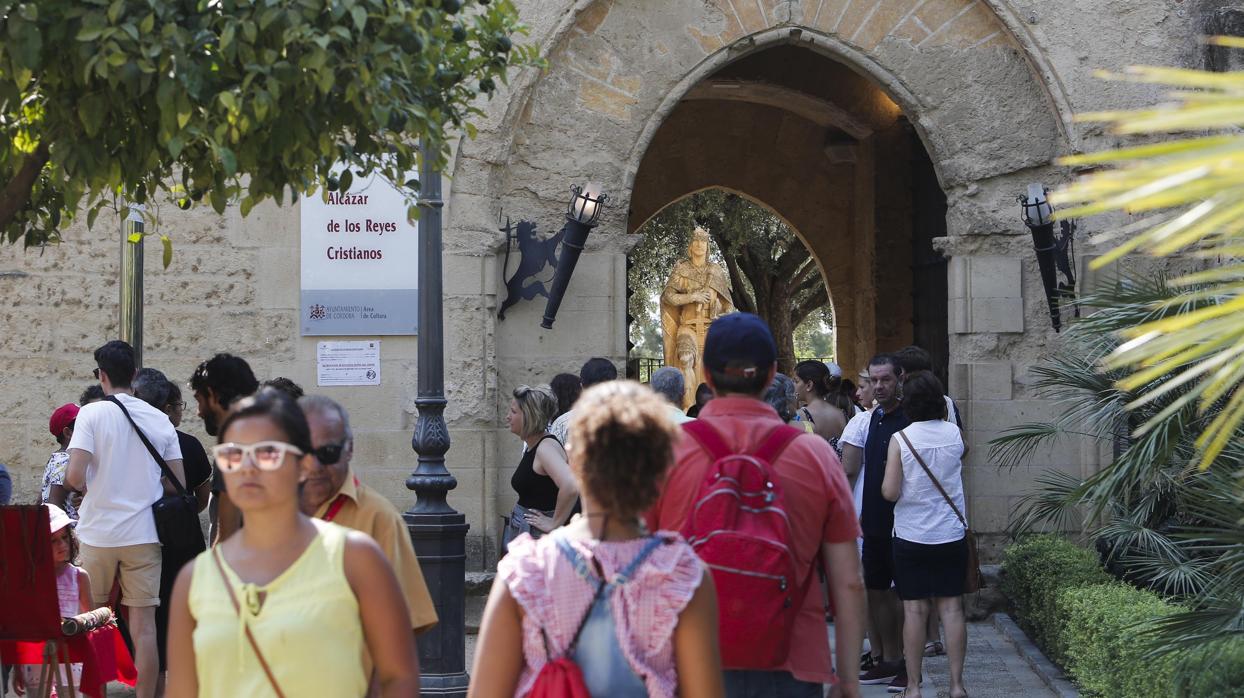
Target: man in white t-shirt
116 529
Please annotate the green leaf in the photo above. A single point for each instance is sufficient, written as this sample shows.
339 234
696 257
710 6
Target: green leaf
91 113
146 26
167 243
229 161
91 216
184 110
227 99
359 14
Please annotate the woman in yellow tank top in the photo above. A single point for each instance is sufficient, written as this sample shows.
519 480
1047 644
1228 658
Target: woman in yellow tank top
279 608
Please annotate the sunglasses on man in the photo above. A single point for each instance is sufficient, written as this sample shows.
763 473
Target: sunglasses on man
330 454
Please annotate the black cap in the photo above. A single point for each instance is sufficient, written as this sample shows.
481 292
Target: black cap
739 343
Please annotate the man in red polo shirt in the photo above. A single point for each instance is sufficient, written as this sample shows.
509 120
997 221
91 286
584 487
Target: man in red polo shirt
740 359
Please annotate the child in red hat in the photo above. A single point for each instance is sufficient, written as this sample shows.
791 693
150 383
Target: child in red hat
54 490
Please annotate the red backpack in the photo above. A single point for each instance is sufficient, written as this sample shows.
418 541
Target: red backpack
739 527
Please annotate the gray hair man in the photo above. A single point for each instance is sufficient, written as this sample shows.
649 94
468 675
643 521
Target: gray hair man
668 382
332 493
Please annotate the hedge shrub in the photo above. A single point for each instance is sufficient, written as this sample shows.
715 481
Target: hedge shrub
1033 572
1102 648
1092 625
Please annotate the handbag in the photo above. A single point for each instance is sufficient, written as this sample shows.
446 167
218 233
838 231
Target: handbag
974 581
176 515
263 663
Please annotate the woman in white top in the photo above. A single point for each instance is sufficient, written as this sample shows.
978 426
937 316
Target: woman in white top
930 551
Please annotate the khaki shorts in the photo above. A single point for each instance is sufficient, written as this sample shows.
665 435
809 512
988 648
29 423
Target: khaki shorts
138 565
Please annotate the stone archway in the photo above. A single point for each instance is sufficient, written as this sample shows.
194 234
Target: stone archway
987 111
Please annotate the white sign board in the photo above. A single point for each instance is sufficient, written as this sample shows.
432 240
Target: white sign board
359 262
348 363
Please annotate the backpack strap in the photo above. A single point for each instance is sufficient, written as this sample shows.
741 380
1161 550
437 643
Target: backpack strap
709 439
776 442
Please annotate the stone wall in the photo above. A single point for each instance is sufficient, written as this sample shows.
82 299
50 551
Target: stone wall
989 85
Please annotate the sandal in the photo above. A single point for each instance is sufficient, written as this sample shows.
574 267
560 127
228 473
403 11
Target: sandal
934 649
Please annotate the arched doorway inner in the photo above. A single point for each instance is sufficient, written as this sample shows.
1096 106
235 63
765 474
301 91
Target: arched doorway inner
831 153
768 266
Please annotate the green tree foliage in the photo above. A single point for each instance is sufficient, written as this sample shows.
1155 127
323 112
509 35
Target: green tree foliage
109 101
771 273
1190 200
1159 523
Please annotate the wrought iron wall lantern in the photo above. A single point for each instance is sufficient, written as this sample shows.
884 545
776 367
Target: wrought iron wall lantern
1054 252
535 254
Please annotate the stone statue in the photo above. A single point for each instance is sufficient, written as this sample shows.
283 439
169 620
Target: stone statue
696 293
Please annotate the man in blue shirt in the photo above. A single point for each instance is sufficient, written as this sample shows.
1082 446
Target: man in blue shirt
877 521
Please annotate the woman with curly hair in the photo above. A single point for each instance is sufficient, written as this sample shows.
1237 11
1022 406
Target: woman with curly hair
636 612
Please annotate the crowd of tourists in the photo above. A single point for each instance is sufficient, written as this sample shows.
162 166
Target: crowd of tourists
652 551
693 553
300 546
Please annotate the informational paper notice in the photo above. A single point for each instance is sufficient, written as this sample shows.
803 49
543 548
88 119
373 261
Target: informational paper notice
348 363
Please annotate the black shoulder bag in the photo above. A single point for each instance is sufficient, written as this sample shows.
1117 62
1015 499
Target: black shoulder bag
176 515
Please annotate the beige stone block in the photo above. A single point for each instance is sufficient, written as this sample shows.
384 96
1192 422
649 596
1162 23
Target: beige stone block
935 13
884 19
592 16
989 381
989 415
707 43
990 514
606 100
995 277
727 27
1000 315
750 15
630 84
969 28
827 14
590 56
958 316
911 30
853 18
279 282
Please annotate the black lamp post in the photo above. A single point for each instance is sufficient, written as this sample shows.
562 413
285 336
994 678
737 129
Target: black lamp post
436 529
581 217
1052 252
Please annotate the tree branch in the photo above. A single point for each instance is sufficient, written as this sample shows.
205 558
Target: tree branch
16 193
741 300
801 309
792 260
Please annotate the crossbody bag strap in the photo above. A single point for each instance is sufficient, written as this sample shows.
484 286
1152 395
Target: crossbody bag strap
580 566
915 454
263 663
150 449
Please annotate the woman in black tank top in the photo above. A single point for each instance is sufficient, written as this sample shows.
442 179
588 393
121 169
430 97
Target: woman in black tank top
546 489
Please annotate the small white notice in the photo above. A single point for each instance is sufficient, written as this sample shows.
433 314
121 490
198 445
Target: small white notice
348 363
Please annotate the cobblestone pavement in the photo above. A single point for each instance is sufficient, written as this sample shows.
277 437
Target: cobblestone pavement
994 670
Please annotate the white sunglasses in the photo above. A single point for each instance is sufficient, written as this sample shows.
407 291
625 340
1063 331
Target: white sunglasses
266 455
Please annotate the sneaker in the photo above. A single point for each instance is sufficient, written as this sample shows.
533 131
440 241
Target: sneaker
867 662
883 672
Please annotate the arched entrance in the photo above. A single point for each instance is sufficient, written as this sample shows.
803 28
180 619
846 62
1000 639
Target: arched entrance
831 153
971 109
769 267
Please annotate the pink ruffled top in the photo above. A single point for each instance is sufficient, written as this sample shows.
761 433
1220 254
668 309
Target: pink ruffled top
646 608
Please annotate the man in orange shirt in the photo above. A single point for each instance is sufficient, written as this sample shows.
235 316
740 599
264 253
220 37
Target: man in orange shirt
740 360
332 493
